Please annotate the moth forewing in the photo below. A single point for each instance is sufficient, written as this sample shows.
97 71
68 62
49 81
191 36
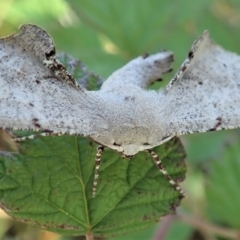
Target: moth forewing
204 95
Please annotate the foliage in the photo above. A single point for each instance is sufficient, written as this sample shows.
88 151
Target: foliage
50 184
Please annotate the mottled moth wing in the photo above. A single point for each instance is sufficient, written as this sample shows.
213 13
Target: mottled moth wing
204 95
33 98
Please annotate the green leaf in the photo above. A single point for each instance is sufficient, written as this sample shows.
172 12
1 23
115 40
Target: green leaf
223 187
50 184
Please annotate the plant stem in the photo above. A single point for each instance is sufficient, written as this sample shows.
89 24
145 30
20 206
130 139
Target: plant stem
202 225
89 236
164 227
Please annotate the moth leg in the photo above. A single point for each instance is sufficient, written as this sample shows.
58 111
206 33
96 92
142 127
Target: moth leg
43 134
141 71
162 169
97 166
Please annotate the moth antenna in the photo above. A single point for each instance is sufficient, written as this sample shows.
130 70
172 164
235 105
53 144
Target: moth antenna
97 166
162 169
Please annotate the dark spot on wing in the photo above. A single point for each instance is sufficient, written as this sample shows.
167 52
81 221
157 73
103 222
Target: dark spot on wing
190 54
36 123
31 104
219 122
129 98
200 82
146 144
48 131
37 81
184 68
211 130
115 144
60 67
50 54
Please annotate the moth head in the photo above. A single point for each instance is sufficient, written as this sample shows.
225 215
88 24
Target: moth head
122 143
129 150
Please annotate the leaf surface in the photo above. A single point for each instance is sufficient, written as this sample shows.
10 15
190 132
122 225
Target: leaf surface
50 184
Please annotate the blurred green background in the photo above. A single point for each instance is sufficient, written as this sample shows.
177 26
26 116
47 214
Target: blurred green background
107 34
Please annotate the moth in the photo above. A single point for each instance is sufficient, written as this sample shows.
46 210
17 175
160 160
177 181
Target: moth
37 93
